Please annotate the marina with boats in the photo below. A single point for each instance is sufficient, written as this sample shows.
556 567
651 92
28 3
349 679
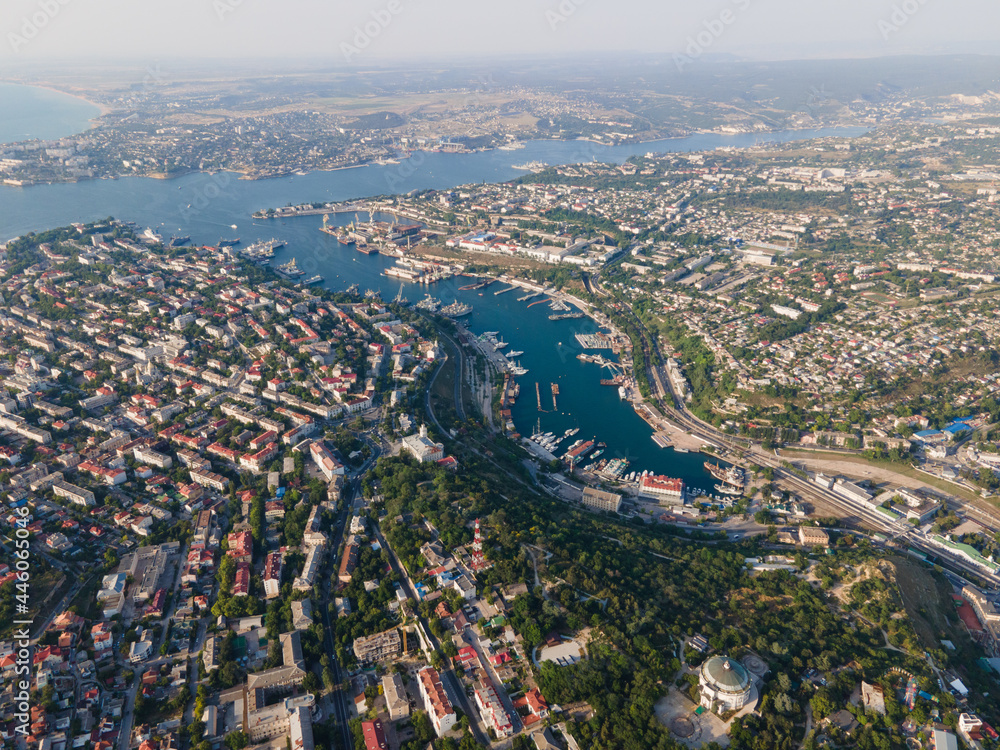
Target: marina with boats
568 335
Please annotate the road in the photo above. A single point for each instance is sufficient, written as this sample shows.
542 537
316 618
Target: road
508 705
352 502
448 677
459 374
337 697
129 713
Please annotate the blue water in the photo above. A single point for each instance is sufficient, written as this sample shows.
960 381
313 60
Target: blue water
550 347
207 206
203 205
28 112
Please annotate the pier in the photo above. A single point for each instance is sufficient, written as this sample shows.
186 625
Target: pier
593 340
526 297
538 397
504 291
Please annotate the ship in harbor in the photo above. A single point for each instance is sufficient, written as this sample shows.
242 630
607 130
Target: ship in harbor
513 354
290 269
314 280
456 309
518 370
229 243
732 475
429 304
531 166
262 250
728 489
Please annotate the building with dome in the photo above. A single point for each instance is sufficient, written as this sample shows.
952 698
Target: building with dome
725 684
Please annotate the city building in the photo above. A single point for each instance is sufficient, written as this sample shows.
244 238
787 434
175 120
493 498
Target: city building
601 500
379 647
942 740
374 735
314 560
811 536
396 700
300 730
725 684
666 490
272 574
325 461
422 447
873 698
491 708
436 702
988 616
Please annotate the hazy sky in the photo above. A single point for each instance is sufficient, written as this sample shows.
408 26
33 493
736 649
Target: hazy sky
362 32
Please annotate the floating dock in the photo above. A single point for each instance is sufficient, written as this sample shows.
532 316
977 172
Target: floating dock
661 439
555 392
539 302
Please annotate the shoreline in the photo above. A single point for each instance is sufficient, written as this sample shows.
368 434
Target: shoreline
244 175
658 423
103 109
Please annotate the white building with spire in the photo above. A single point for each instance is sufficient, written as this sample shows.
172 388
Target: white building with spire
422 447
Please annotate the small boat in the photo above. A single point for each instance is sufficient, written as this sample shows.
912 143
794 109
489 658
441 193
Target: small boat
728 489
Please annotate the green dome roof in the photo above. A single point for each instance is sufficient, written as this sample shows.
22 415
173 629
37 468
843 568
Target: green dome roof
728 674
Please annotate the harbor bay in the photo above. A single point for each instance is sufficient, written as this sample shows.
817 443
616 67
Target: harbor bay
216 208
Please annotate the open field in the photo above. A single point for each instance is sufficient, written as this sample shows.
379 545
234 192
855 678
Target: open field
927 599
